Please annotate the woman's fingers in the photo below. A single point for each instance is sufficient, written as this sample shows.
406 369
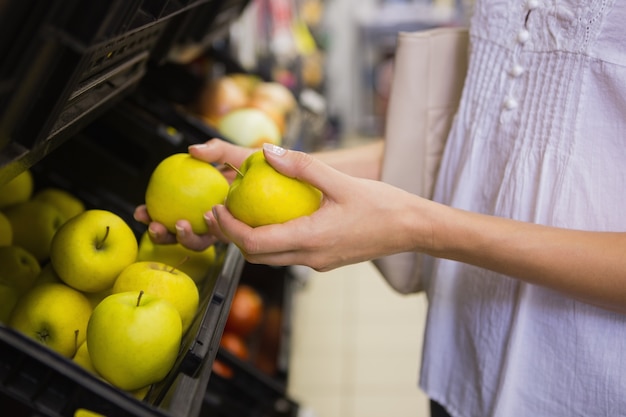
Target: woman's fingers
217 151
141 214
306 168
159 234
186 237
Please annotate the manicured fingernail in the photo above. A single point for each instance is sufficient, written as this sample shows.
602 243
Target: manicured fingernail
214 211
275 149
198 146
180 231
152 232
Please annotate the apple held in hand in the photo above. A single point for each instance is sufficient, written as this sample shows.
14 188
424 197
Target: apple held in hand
260 195
196 264
90 250
165 281
134 339
182 187
55 315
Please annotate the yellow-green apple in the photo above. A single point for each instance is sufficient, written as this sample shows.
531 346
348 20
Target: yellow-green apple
196 264
47 274
165 281
182 187
6 232
9 296
34 224
83 412
134 339
67 203
140 393
95 297
19 267
260 195
56 315
91 249
250 127
82 358
17 190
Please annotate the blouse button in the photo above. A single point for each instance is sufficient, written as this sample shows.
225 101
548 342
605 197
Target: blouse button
516 70
523 36
510 103
532 4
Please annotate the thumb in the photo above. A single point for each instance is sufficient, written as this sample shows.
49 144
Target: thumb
302 166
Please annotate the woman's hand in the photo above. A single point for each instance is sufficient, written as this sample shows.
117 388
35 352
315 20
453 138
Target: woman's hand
214 151
358 220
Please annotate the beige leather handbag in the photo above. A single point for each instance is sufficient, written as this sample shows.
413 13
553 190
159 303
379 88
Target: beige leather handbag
429 70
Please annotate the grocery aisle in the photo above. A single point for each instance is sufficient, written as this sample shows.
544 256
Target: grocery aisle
356 346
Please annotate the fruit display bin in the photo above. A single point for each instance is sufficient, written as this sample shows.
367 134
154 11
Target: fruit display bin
62 62
35 381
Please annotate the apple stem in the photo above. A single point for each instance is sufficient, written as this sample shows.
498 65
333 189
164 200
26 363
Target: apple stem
231 166
185 259
101 243
139 297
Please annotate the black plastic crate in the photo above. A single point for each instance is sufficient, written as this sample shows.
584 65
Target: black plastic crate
62 62
35 381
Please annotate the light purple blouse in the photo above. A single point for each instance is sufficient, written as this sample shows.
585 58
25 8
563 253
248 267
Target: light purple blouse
540 136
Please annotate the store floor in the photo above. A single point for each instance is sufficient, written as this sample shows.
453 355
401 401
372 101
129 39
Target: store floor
356 346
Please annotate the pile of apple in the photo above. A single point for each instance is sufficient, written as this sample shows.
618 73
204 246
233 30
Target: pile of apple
246 109
80 282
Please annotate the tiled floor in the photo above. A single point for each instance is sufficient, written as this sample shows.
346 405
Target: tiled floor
356 346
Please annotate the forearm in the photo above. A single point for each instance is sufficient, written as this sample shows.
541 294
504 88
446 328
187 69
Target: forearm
364 161
590 266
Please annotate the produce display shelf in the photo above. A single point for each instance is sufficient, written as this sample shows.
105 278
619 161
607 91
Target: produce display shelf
35 381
